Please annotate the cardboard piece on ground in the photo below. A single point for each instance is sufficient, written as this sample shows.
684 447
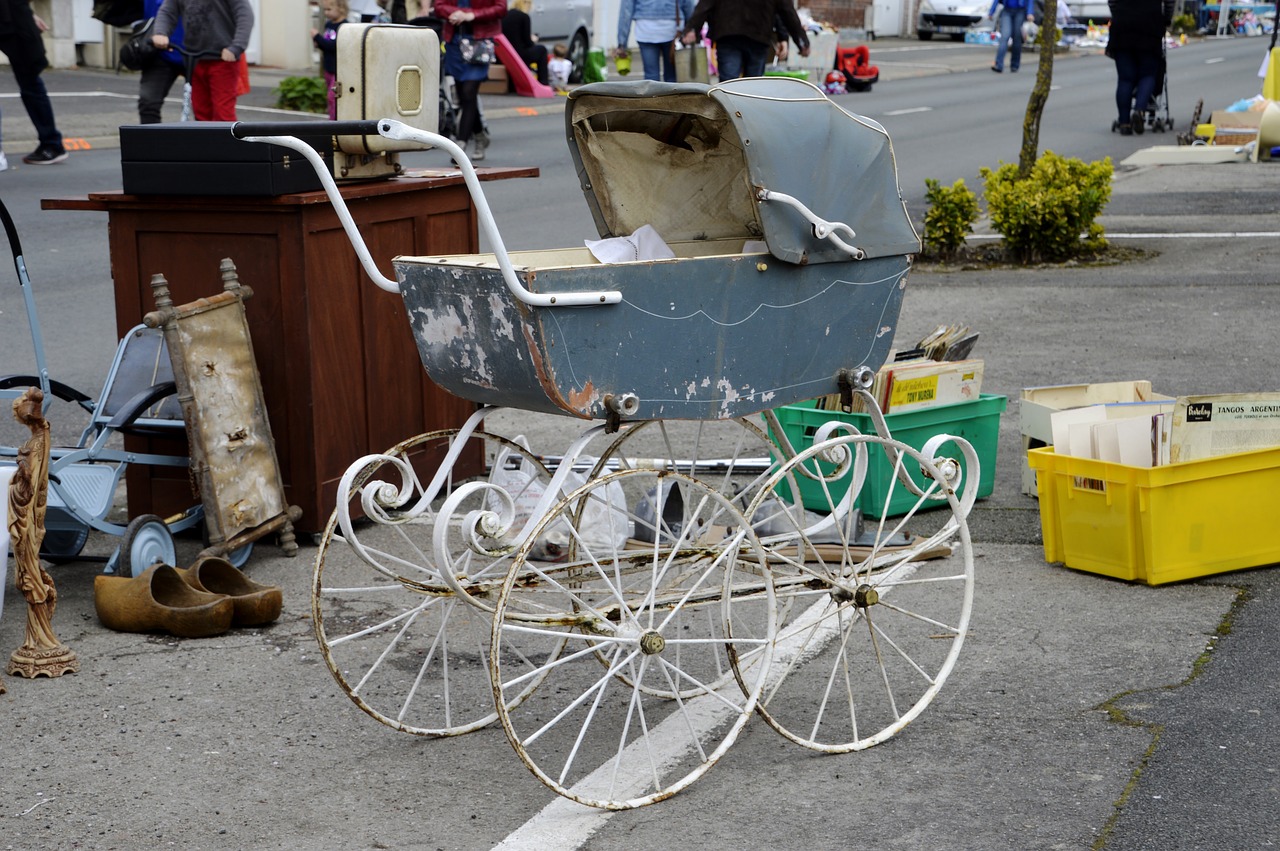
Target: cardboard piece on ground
1191 154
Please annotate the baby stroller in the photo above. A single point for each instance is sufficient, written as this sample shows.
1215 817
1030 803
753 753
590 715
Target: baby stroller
678 588
1156 116
137 398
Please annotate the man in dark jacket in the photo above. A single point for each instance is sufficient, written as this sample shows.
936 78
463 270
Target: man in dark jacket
20 41
1136 43
742 31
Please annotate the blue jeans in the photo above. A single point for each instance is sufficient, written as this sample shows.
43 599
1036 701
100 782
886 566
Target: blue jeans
1010 28
656 57
739 56
1136 78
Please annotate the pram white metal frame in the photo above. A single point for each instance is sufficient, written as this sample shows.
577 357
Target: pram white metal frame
636 617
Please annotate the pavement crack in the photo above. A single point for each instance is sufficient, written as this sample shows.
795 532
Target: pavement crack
1118 715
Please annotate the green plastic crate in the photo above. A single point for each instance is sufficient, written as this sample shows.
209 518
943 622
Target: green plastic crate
977 422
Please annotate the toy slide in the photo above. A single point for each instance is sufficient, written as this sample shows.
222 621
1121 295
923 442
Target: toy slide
526 84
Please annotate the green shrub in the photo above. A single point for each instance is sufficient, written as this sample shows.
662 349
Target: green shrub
1183 23
302 94
1045 216
952 212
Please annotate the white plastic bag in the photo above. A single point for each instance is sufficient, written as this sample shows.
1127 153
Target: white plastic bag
515 474
602 526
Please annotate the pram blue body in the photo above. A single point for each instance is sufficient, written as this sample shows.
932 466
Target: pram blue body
757 309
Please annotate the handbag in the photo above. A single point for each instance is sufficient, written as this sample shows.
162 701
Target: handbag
137 52
689 61
476 51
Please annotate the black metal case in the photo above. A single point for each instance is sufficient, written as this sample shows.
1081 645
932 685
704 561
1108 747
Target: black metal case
203 158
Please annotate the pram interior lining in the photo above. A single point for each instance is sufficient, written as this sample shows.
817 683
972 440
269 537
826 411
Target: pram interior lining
678 164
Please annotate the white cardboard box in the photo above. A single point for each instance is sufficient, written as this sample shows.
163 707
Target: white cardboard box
1040 403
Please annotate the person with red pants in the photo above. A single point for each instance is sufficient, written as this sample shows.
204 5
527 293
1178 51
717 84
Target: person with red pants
217 32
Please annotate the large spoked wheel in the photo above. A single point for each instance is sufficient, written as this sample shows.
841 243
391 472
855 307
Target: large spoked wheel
404 647
870 626
666 616
733 457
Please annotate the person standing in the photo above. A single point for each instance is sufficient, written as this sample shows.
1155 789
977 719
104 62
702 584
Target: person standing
742 31
518 29
1136 44
396 11
657 24
20 41
217 32
336 13
159 74
1013 13
473 19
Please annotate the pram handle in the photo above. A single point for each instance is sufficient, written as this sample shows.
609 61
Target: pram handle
398 131
244 129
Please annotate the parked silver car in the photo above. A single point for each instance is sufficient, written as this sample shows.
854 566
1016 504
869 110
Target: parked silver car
567 21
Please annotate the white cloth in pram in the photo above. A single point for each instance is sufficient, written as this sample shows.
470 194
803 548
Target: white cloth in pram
644 244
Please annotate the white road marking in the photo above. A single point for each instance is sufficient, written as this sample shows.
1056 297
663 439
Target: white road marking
909 111
1188 235
566 824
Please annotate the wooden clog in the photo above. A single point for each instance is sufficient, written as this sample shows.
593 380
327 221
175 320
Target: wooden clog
159 601
255 604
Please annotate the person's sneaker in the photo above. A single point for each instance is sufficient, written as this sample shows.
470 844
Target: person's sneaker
45 155
4 162
482 144
1138 123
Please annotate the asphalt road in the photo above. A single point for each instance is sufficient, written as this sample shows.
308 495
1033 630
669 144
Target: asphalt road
1083 713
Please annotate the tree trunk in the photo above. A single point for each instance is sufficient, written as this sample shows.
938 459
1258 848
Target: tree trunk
1047 37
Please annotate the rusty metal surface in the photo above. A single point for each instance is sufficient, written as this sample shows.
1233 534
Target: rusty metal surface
700 339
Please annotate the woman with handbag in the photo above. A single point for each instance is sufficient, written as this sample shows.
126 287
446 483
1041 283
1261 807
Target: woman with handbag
469 29
657 22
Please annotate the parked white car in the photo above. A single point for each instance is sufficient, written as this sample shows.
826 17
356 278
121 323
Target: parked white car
951 17
1084 11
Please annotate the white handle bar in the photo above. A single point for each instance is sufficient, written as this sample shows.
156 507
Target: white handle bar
399 131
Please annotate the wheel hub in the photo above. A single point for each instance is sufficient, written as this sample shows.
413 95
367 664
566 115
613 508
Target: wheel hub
652 643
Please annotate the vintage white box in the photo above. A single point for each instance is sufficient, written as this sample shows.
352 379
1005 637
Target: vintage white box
1040 403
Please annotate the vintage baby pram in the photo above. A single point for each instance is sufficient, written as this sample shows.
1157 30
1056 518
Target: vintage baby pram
634 608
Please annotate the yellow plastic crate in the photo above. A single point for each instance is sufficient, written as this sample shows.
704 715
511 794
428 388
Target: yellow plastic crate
1159 524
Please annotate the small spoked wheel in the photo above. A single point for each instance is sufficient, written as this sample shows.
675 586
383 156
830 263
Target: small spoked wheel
871 624
642 700
146 541
403 646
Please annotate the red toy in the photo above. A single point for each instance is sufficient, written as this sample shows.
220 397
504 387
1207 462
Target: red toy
855 62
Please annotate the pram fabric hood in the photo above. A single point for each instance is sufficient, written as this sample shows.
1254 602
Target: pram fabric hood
689 159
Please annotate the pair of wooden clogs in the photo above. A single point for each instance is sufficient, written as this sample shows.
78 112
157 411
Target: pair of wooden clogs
205 599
